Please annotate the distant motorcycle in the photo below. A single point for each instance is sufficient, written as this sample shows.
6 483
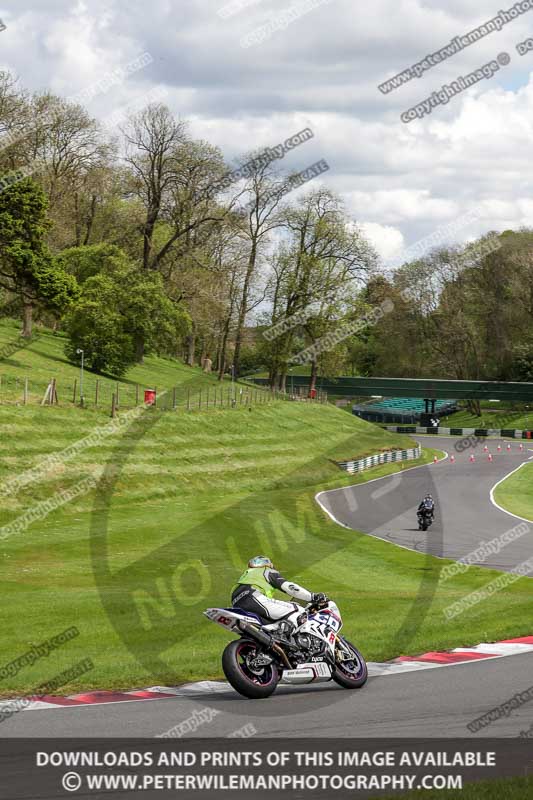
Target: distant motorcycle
425 519
312 650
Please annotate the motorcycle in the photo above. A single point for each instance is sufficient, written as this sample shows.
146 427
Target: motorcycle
306 647
425 519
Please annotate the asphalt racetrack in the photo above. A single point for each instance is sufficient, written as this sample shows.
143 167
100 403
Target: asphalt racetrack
433 702
465 515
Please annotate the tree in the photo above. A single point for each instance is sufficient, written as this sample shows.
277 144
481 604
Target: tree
319 271
67 153
152 137
115 309
27 269
14 114
175 179
87 262
263 193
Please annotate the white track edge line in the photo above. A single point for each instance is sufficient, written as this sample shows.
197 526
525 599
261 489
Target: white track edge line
383 477
496 504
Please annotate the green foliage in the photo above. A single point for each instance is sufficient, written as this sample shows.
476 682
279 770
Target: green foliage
462 312
86 262
98 330
252 360
115 311
522 363
26 266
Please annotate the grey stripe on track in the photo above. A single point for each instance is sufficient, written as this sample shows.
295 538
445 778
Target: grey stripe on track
465 516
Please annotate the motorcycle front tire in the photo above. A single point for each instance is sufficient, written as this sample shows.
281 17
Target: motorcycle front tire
343 679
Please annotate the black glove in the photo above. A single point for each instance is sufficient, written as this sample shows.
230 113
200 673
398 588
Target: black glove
319 600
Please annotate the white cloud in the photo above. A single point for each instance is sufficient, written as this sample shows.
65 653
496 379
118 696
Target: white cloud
388 242
400 181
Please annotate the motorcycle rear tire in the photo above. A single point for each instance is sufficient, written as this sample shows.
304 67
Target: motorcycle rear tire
246 686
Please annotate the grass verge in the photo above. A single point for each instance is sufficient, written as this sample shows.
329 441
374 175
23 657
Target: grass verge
43 358
206 490
520 420
515 494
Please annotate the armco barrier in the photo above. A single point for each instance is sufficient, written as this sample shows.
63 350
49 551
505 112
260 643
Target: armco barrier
388 457
509 433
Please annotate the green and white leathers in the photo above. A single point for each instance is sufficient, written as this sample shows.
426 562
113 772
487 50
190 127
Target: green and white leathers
266 580
255 576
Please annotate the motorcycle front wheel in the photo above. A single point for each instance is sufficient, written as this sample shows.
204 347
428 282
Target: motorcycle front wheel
350 673
254 684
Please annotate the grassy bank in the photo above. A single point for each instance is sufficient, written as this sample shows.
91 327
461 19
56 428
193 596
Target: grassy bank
516 493
43 358
500 418
183 500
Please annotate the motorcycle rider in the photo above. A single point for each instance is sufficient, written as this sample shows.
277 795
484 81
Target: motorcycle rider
426 507
255 588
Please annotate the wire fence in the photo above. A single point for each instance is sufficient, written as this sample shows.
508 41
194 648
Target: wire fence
113 397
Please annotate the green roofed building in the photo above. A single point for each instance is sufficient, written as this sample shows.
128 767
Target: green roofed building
401 410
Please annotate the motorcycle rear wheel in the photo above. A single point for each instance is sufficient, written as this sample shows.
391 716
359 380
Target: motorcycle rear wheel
351 677
236 670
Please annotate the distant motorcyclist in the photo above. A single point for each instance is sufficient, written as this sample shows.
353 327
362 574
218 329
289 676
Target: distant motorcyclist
255 588
427 507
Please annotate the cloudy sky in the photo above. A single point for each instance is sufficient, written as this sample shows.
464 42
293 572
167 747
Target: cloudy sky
247 74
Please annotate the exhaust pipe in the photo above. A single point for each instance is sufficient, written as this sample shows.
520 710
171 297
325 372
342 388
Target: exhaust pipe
264 639
258 635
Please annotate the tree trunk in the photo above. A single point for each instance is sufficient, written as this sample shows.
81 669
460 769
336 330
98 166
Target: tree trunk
205 352
27 320
474 407
148 236
243 310
77 223
314 375
222 351
90 220
191 346
139 348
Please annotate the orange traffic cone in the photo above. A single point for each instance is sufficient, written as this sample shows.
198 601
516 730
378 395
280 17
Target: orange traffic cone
499 448
508 448
490 456
485 449
472 458
452 459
